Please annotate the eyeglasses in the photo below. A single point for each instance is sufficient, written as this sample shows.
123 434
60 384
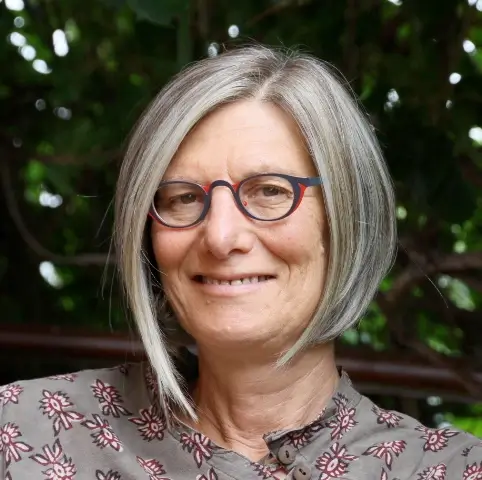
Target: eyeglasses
267 197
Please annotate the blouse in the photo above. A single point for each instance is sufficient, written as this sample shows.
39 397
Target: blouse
104 424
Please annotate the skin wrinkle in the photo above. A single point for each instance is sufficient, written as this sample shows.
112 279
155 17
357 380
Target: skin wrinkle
240 394
236 416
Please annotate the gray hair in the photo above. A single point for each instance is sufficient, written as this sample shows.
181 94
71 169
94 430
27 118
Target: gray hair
358 193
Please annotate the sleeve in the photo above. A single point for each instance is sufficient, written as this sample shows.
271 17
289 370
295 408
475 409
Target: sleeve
472 468
12 445
3 473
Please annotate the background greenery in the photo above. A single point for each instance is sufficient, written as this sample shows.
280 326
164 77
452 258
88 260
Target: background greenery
75 76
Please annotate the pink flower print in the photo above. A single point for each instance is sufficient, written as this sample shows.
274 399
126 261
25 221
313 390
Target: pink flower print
199 445
50 456
466 451
300 439
56 405
334 464
262 470
103 434
343 422
153 468
10 447
64 470
316 426
386 451
390 419
151 381
10 394
69 377
110 475
384 475
61 467
150 423
211 475
436 440
270 468
473 472
340 400
109 398
435 472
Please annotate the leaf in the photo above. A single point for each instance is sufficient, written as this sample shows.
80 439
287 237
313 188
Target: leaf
35 171
157 11
469 424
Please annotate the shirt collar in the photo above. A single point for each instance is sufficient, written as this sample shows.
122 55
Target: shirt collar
304 442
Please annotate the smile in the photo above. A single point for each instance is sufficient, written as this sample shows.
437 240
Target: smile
234 281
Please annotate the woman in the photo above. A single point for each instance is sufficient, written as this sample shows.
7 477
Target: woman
254 221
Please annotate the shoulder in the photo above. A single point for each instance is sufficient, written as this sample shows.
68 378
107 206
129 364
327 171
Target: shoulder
49 420
47 406
24 393
443 452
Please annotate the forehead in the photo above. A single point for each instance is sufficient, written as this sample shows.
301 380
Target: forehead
240 139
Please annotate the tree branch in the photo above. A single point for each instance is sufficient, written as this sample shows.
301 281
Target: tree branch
85 259
422 267
462 373
269 11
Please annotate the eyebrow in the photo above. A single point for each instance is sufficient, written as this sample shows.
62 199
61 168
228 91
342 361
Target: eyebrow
263 168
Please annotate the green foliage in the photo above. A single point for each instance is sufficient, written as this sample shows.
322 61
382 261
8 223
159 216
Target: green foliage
163 13
471 422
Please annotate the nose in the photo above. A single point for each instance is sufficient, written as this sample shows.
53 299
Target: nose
226 229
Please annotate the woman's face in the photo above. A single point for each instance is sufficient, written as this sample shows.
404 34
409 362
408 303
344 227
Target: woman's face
232 143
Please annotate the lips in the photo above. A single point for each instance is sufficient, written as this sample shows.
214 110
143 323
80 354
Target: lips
234 281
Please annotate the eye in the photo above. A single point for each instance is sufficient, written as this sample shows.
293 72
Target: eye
268 190
272 190
185 198
177 195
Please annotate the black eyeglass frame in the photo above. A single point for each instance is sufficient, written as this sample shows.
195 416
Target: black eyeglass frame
299 185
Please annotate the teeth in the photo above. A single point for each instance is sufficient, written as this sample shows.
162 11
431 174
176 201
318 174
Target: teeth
238 281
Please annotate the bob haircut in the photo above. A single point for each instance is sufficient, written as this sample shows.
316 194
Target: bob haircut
357 189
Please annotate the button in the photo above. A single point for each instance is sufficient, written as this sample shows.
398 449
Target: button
302 471
286 454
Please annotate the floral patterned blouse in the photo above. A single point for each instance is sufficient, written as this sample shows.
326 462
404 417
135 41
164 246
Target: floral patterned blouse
104 425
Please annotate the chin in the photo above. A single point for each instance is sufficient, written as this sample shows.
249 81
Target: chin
233 332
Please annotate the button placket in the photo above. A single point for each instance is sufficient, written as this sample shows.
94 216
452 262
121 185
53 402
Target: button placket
286 454
302 471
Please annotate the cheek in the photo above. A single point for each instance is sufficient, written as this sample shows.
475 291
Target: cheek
300 241
170 248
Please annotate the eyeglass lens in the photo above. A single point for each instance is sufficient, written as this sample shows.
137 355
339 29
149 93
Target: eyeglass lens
266 197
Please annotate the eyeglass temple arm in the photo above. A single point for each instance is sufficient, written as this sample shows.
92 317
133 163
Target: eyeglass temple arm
311 181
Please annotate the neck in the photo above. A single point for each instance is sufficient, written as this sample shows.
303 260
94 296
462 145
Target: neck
238 401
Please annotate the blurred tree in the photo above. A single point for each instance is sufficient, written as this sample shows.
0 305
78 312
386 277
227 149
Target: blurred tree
75 76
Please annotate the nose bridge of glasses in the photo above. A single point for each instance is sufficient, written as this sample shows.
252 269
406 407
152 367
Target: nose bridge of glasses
221 183
232 187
